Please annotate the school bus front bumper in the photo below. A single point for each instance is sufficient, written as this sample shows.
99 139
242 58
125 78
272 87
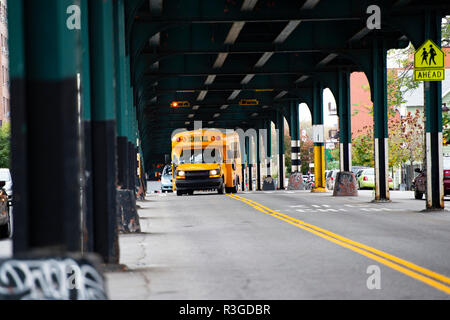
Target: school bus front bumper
198 180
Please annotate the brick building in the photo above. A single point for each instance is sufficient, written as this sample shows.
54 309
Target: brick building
360 97
4 61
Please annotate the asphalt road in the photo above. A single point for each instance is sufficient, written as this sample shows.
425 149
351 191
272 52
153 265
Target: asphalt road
285 245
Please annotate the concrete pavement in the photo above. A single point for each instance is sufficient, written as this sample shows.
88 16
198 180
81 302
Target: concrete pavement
210 246
215 247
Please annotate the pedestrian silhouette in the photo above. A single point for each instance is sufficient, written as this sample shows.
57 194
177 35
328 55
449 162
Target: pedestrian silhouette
432 55
424 56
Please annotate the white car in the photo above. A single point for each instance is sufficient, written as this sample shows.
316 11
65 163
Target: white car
5 175
330 179
5 218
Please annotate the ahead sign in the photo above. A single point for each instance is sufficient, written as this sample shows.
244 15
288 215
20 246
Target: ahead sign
429 62
429 75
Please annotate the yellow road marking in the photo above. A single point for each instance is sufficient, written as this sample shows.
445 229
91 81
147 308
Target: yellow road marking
362 249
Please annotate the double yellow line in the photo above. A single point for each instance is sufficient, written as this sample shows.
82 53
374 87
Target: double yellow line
427 276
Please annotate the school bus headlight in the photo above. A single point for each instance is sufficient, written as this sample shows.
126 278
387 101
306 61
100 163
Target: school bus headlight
181 174
214 173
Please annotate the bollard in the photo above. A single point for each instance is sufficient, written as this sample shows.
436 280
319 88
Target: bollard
268 184
296 181
128 218
345 184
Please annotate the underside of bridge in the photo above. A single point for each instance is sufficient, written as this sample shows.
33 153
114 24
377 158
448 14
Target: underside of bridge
215 54
136 57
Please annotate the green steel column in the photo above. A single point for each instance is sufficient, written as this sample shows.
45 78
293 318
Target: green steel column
19 125
281 171
119 40
129 96
103 128
45 136
258 160
268 127
295 137
249 152
433 124
129 124
121 95
87 184
379 99
132 149
345 130
318 137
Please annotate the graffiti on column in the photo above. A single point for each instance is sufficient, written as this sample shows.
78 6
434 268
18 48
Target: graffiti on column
296 181
50 279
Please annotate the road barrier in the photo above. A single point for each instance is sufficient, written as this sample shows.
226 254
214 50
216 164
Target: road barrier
345 184
268 184
127 216
296 182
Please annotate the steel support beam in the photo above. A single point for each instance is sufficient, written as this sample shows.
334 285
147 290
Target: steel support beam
433 124
46 165
258 160
86 131
380 111
295 137
249 161
122 107
319 147
345 129
281 166
268 158
103 129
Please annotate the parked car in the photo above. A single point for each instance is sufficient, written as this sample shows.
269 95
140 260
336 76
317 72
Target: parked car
330 179
5 175
366 179
420 181
356 169
167 179
358 172
5 198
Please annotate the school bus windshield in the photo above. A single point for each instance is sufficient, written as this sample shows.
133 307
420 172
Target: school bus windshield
197 156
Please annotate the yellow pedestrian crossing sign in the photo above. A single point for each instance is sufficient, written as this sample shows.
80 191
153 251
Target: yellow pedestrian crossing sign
429 62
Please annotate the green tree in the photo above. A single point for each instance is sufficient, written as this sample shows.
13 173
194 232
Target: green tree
399 83
362 148
5 134
446 31
306 153
446 127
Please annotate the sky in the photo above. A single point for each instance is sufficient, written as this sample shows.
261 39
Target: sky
329 120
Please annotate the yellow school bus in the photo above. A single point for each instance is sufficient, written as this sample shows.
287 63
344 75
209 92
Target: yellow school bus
206 160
